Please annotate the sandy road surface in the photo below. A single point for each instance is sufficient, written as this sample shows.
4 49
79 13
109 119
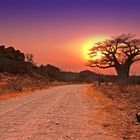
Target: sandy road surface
59 113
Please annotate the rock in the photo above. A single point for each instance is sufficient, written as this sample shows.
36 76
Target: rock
12 61
19 56
56 123
138 117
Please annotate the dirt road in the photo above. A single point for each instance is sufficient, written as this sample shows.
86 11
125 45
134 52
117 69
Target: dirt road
59 113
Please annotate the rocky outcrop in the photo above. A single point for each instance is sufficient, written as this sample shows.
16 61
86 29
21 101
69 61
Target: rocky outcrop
12 61
11 53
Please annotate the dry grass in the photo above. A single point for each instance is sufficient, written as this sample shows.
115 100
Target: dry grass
121 118
12 95
19 85
103 109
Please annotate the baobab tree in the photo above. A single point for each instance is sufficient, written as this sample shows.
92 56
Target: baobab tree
118 52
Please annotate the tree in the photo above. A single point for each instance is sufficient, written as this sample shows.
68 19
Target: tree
29 57
118 52
30 62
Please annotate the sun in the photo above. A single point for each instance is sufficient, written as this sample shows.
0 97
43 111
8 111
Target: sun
88 44
98 56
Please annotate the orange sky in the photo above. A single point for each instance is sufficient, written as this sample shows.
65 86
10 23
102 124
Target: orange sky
68 54
60 33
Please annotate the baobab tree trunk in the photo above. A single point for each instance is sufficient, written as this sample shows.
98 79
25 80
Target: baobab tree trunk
123 72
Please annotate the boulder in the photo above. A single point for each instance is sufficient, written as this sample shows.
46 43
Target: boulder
12 61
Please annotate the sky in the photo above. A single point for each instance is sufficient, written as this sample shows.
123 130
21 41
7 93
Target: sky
60 32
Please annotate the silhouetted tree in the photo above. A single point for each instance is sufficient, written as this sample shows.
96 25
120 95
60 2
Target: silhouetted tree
29 57
119 52
30 62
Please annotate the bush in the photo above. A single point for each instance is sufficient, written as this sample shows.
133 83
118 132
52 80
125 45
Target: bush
15 85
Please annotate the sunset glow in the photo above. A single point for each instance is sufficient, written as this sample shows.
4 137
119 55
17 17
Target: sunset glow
61 32
98 56
90 43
